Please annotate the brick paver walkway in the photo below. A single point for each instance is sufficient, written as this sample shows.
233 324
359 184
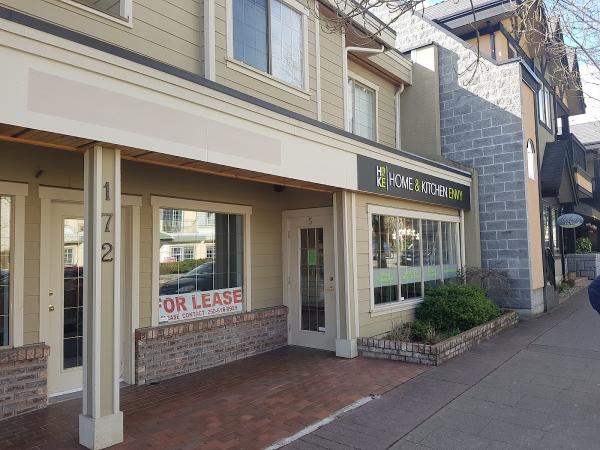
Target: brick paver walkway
247 404
534 386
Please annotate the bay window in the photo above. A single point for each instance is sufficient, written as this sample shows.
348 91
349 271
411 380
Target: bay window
411 254
362 111
5 265
269 35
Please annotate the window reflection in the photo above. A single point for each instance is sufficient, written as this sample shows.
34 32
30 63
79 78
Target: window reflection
72 293
204 253
5 254
411 254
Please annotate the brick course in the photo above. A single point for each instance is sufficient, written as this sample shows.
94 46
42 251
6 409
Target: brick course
171 350
23 379
434 355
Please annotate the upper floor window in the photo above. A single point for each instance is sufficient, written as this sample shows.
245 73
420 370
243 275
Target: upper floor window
545 106
118 9
531 160
362 110
269 36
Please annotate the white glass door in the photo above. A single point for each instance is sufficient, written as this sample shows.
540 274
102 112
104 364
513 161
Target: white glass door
65 311
311 283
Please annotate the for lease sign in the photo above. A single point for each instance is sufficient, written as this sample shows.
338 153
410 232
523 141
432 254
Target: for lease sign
195 305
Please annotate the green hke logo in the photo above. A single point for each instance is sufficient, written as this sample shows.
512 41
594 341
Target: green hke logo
382 177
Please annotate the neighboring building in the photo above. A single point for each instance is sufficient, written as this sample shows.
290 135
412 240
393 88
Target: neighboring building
183 186
498 114
587 135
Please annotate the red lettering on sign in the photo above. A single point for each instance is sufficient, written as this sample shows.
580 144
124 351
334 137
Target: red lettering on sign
194 304
227 297
181 304
217 299
205 300
168 305
237 296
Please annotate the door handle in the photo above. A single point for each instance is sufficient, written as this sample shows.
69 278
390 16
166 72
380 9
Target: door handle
51 308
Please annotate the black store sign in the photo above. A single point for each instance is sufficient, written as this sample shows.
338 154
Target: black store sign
383 178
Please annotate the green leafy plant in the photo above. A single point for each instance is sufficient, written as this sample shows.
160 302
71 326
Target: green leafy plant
181 267
452 308
583 245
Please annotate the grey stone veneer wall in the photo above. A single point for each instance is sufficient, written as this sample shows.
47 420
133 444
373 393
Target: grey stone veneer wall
167 351
480 122
584 264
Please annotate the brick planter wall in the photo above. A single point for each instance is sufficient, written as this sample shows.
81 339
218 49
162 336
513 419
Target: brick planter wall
584 265
23 379
171 350
434 355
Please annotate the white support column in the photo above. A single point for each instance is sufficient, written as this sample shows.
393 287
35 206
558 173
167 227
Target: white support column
345 344
101 423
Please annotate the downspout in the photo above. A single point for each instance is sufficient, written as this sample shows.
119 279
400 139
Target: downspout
399 92
345 72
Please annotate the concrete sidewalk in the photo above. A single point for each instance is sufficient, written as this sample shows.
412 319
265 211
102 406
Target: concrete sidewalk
535 386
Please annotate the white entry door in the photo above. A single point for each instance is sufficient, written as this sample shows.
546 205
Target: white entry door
311 284
65 315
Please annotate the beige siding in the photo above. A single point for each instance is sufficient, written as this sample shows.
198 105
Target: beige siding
420 106
370 326
64 169
168 31
386 113
284 97
332 85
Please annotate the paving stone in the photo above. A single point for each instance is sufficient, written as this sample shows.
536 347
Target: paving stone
498 430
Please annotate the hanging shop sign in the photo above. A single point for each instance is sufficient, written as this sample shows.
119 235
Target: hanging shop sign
569 220
196 305
383 178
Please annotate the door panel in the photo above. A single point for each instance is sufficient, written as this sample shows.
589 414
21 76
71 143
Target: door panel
311 287
66 299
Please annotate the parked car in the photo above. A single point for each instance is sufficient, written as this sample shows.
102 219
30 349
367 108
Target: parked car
200 278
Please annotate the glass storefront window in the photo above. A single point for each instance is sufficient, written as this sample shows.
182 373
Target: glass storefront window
410 255
5 254
431 256
201 264
385 259
450 251
410 258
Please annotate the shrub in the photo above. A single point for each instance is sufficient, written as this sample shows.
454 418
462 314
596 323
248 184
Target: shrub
583 245
451 308
180 267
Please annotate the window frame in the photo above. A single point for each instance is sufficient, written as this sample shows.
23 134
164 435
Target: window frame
266 77
126 18
353 77
403 305
544 100
158 202
17 192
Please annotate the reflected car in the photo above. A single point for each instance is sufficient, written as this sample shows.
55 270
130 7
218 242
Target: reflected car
200 278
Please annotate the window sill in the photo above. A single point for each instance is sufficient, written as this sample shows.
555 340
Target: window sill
125 21
543 124
266 78
395 307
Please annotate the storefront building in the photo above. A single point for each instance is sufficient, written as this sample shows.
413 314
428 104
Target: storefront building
157 221
504 110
